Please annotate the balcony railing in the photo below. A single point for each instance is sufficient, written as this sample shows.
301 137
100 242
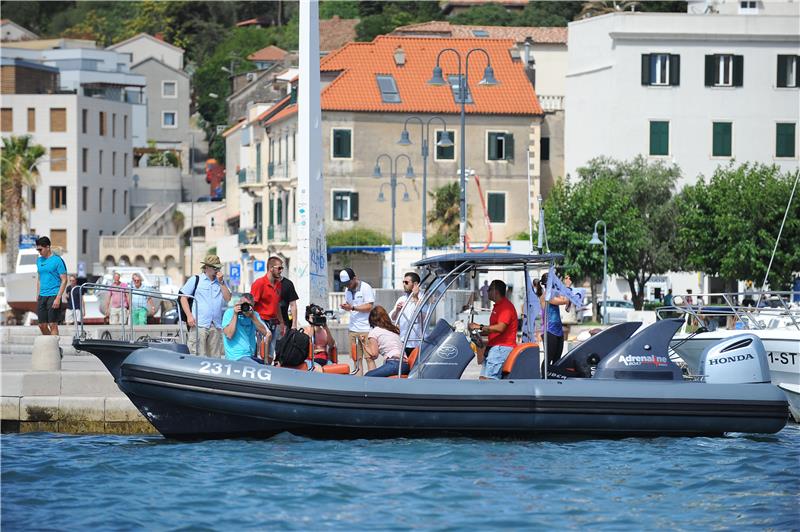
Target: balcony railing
551 103
250 236
248 176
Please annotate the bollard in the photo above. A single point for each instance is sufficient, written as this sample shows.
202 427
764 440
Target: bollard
46 354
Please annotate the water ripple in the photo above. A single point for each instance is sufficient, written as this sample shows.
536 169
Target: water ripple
293 483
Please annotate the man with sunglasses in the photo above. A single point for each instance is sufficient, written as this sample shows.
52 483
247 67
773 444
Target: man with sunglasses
50 284
404 309
266 293
204 312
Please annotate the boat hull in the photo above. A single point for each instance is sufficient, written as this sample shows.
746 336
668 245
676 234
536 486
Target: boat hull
189 397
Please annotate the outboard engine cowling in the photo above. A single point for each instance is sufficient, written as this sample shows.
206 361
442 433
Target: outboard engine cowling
644 356
738 360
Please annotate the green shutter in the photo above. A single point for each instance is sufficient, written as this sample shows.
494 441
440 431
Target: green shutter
280 212
785 140
497 207
354 206
711 69
722 139
341 143
645 69
271 203
738 70
493 146
674 70
782 64
659 138
509 146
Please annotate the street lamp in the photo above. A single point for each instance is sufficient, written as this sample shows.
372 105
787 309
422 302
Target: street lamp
595 241
393 164
444 142
463 83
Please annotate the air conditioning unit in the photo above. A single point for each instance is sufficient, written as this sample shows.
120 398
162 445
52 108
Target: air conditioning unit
251 76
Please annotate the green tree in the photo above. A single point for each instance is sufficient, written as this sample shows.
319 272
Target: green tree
729 224
379 18
546 13
485 15
446 215
19 159
357 236
341 8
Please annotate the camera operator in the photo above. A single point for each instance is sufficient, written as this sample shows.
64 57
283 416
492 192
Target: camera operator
321 337
239 326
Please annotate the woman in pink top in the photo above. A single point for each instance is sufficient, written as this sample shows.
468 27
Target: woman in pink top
321 337
384 339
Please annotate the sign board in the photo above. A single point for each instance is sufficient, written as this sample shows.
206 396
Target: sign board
259 266
236 273
81 269
27 241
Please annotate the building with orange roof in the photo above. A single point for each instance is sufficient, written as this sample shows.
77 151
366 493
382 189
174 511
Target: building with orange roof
368 92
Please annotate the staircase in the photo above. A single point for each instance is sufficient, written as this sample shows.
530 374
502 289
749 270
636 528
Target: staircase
146 218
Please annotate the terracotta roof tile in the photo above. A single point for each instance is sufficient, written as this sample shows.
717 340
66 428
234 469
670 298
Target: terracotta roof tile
274 109
287 111
356 88
270 53
437 28
336 32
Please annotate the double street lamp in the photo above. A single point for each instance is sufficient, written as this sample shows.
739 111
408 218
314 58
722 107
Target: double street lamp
595 241
393 164
444 142
463 84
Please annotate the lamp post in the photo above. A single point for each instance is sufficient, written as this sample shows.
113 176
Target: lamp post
393 163
463 83
595 241
444 142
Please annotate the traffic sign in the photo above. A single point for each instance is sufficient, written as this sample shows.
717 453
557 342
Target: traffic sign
236 273
27 241
259 266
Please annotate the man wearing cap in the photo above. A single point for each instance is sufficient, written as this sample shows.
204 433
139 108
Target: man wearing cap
359 299
266 293
211 296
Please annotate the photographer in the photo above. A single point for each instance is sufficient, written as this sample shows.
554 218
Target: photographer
239 333
321 337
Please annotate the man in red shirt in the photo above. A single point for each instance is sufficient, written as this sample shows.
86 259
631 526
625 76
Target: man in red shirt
502 331
267 295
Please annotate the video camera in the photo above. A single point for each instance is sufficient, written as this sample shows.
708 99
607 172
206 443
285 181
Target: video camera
316 315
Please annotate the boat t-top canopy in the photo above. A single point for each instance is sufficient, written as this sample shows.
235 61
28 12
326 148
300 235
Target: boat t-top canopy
507 261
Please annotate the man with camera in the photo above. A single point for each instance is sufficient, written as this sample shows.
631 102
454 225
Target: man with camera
239 327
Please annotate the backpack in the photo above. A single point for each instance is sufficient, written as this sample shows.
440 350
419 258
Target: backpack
292 349
180 293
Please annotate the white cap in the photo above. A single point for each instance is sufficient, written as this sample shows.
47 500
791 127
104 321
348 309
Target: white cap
346 275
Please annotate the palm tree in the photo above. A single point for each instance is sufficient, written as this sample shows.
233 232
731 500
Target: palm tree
446 214
594 9
19 159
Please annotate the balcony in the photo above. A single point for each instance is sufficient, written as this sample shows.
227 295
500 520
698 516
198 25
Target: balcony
280 233
551 103
250 236
249 178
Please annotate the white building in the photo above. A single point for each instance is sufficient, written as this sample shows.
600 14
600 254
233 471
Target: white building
696 89
11 31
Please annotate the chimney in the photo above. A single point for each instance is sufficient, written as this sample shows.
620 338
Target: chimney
399 56
529 61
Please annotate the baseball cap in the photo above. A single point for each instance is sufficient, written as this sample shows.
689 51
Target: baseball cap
346 275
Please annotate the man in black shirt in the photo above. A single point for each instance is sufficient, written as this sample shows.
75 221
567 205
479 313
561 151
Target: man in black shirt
288 303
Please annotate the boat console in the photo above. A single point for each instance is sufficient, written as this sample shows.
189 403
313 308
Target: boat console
444 354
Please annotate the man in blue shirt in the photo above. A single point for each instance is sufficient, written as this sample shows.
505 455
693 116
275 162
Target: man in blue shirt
239 326
204 318
50 284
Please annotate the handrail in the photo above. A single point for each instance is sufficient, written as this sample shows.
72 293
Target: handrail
733 306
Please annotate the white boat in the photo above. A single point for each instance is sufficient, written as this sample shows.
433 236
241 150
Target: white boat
792 392
777 325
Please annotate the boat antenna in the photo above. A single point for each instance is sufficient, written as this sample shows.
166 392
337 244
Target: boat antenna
780 231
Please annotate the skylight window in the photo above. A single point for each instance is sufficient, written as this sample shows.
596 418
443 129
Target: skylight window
454 85
480 33
388 88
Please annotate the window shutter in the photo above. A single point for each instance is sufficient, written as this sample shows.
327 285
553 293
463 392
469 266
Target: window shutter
645 69
738 71
544 149
509 146
492 146
354 206
58 120
710 70
782 64
721 139
271 211
797 71
785 140
674 70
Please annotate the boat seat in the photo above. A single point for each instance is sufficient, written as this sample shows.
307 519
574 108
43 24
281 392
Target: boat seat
522 362
336 369
412 359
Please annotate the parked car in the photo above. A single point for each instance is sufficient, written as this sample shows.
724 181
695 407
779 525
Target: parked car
618 310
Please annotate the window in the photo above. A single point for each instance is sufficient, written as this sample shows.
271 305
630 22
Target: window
100 201
113 202
724 70
500 146
169 89
85 160
788 71
388 88
445 154
85 198
113 163
100 162
345 205
114 125
454 86
544 149
58 238
32 197
480 33
6 119
722 139
748 7
661 69
84 240
125 127
341 143
58 198
280 149
125 165
497 207
31 119
84 121
294 146
58 159
659 138
58 120
785 140
102 123
169 119
125 202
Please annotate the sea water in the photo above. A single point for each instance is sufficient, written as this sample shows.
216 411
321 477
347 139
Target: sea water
63 482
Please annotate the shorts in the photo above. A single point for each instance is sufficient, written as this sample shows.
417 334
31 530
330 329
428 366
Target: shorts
495 358
45 311
139 315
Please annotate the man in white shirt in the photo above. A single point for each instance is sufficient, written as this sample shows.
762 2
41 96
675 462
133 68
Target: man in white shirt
404 309
359 301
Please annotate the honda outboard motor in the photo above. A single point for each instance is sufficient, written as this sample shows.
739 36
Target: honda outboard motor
739 359
644 356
